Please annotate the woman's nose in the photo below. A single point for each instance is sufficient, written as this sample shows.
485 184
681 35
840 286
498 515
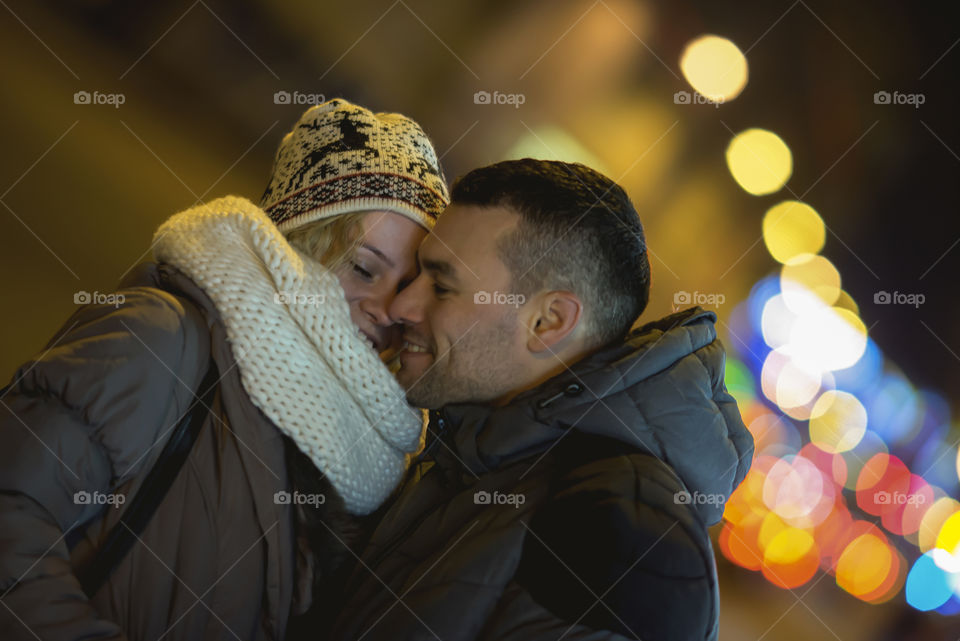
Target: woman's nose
377 306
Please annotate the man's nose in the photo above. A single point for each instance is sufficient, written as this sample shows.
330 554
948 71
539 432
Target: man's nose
407 305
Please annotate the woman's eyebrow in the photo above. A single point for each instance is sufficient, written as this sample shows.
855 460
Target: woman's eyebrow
379 253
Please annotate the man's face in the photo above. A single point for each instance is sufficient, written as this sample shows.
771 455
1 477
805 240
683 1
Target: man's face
463 343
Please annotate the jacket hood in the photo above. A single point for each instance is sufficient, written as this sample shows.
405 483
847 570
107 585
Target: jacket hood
661 391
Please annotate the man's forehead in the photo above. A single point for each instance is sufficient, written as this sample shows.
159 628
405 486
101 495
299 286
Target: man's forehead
465 238
471 226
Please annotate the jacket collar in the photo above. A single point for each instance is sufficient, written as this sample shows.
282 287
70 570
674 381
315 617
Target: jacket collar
660 391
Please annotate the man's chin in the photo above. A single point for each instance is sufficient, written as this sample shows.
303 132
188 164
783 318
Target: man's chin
413 365
410 378
417 388
417 397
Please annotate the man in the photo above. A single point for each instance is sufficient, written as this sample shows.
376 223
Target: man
571 471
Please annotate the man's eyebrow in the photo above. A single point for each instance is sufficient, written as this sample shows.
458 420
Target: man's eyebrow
379 253
441 267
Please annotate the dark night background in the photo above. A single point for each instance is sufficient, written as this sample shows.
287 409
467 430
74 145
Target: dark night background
83 187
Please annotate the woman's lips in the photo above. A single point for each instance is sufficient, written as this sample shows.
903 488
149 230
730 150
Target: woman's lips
371 341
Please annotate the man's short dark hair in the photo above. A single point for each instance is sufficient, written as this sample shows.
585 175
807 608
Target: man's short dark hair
578 231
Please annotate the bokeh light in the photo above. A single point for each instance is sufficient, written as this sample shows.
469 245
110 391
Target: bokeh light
838 422
933 519
883 485
927 587
548 142
893 583
845 301
830 497
918 501
863 375
794 487
773 435
865 564
792 228
896 409
949 537
808 352
809 283
832 465
739 382
791 558
828 339
776 322
935 458
714 67
759 161
869 446
739 545
786 382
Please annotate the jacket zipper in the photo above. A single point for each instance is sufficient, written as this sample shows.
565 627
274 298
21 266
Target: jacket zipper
397 540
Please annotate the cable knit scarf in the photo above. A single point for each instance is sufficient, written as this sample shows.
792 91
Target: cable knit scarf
301 358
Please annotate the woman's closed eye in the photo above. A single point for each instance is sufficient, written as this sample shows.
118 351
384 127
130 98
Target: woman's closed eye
362 272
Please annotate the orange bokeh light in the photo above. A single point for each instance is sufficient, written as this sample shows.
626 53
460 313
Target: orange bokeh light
865 565
790 558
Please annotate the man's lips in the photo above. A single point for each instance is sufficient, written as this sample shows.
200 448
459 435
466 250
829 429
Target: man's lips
414 347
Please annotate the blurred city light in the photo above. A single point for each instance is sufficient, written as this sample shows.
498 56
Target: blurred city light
927 584
808 282
830 496
838 422
759 161
714 67
552 143
792 228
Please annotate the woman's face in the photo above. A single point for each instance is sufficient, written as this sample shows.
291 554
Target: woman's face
384 262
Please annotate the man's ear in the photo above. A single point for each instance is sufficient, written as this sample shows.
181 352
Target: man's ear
553 317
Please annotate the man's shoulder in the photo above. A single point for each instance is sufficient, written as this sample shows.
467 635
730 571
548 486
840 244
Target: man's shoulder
623 488
600 461
615 518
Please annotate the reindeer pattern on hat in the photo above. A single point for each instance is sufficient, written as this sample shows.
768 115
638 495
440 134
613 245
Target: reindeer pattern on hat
338 151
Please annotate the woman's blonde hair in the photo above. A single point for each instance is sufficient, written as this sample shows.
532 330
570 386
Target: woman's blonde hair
330 241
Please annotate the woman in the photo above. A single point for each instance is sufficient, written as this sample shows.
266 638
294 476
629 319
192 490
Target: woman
284 306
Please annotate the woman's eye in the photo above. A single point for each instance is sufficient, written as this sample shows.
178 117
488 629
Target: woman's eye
363 272
439 290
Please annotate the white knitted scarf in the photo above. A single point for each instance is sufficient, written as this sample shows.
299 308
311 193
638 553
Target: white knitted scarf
301 358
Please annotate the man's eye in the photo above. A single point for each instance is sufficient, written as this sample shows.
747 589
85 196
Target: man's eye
439 290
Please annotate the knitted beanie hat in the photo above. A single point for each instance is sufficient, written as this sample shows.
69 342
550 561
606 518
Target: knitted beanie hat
342 158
